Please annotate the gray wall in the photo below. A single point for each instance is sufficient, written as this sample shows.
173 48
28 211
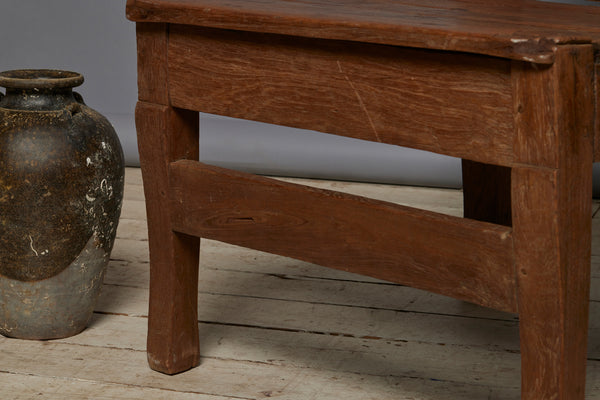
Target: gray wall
94 38
88 36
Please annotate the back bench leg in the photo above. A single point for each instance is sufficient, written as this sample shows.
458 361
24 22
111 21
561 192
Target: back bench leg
486 192
167 134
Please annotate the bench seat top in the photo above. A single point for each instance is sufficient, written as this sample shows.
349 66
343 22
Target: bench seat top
525 30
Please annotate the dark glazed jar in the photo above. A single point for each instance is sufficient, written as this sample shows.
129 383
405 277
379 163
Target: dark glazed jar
61 188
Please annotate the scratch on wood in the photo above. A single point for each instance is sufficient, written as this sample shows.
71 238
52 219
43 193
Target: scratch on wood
31 245
360 101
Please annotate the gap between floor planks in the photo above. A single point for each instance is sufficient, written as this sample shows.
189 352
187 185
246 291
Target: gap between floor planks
276 327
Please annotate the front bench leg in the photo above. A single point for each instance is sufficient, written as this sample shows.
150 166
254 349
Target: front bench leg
552 232
551 207
166 134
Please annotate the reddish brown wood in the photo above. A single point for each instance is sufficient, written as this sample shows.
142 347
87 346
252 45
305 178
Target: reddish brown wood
152 63
486 192
370 92
166 134
337 67
522 30
597 100
551 219
537 137
472 260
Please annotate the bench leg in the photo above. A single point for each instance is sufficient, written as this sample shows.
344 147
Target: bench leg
551 212
167 134
552 238
552 231
486 192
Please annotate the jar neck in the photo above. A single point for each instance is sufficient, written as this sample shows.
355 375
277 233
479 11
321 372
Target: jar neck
37 99
38 89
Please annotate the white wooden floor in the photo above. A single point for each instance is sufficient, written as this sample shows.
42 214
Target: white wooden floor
273 327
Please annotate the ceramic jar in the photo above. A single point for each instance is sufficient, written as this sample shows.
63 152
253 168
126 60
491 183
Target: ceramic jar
61 188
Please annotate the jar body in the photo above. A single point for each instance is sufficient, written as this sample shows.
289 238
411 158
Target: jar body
61 188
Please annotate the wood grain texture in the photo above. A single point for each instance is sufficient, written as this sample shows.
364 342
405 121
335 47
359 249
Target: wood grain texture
597 102
520 30
540 137
473 260
436 348
152 62
166 134
223 378
299 63
448 103
552 230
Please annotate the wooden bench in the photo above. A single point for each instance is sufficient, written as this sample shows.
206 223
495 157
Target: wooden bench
510 87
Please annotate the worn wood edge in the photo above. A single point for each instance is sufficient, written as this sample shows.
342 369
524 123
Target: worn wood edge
223 17
468 282
514 43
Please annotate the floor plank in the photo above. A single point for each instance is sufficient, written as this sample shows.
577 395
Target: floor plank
275 327
26 386
230 377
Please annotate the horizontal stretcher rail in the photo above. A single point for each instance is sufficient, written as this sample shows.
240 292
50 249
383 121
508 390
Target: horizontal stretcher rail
461 258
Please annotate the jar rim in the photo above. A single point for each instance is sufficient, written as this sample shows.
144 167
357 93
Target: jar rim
40 79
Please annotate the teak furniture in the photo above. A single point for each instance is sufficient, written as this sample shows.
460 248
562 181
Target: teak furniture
510 87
